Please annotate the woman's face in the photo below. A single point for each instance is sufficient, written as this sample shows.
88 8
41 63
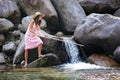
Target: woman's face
40 17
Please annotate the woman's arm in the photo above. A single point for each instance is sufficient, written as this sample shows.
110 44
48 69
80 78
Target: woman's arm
31 26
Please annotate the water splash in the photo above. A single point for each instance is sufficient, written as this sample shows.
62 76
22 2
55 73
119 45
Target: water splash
72 51
75 60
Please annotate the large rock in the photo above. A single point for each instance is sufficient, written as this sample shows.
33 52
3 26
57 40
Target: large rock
70 12
5 25
102 60
44 6
44 61
10 10
18 57
116 54
9 48
100 30
26 20
98 6
2 58
2 40
50 45
117 13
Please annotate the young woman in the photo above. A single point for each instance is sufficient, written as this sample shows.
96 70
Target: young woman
32 36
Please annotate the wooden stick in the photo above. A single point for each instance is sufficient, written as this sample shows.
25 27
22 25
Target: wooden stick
61 39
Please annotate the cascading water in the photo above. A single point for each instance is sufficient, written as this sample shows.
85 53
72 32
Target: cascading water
75 60
72 51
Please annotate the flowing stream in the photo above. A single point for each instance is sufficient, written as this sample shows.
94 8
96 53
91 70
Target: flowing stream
75 61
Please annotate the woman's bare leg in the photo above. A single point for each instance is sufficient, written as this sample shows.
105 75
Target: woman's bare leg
39 50
26 58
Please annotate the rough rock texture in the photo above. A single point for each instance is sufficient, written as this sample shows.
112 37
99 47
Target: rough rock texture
44 6
10 10
100 30
70 12
2 40
9 48
102 60
99 6
116 54
2 58
26 20
5 25
117 13
44 61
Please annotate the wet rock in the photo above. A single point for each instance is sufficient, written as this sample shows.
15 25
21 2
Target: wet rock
116 54
98 6
100 30
70 12
46 7
2 58
5 25
44 61
2 40
10 10
9 48
102 60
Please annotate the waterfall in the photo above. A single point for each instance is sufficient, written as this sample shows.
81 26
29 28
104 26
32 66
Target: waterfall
75 60
72 50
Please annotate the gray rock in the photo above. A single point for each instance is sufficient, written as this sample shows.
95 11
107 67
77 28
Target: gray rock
45 6
9 48
2 58
117 13
59 34
116 54
99 6
44 61
70 12
5 25
2 40
10 10
18 57
21 28
26 20
100 30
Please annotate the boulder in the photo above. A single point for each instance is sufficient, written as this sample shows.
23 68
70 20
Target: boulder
9 48
18 57
44 6
100 30
26 20
45 61
10 10
2 58
116 54
117 13
70 12
98 6
102 60
5 25
2 40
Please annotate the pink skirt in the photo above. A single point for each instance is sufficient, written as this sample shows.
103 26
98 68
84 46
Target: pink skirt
32 41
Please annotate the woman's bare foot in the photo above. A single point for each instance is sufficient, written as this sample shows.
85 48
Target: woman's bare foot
25 65
40 56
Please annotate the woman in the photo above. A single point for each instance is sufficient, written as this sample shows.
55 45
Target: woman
32 36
